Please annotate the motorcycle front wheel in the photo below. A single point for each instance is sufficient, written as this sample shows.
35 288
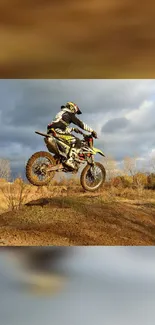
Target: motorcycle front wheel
93 177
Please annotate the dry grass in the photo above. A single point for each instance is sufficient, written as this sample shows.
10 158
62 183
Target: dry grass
63 214
77 39
15 194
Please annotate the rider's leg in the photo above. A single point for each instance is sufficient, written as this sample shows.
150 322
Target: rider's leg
67 138
74 149
75 145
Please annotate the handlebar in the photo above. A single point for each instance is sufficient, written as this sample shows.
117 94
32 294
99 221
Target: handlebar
82 133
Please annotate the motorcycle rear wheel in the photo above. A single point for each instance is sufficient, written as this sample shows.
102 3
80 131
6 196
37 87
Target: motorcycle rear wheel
32 177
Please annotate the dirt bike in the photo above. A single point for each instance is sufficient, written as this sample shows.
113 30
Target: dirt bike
42 166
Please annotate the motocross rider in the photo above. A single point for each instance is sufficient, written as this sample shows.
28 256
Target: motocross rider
61 123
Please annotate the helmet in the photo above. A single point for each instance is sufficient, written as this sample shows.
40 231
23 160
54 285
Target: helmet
73 108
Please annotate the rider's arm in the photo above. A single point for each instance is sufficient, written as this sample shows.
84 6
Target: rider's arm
80 124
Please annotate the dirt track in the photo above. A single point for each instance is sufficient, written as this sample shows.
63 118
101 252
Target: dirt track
84 221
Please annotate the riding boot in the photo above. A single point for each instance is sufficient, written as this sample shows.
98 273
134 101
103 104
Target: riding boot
70 160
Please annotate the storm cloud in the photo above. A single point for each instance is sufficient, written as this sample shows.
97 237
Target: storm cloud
121 111
115 124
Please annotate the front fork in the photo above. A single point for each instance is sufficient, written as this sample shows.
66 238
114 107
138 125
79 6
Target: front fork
92 166
91 161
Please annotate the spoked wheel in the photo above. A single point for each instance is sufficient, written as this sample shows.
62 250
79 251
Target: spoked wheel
36 168
93 177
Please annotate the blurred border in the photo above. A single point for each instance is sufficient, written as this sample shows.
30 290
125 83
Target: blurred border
77 39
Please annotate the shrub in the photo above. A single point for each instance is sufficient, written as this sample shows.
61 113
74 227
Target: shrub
140 179
123 181
116 181
150 182
15 194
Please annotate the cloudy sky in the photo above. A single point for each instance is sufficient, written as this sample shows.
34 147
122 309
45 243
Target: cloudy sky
121 111
108 285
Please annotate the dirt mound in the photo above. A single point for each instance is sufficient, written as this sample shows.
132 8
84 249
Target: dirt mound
86 221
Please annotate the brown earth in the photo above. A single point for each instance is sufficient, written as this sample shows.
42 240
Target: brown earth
78 218
77 39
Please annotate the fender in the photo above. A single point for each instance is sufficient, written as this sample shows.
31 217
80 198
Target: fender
95 151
